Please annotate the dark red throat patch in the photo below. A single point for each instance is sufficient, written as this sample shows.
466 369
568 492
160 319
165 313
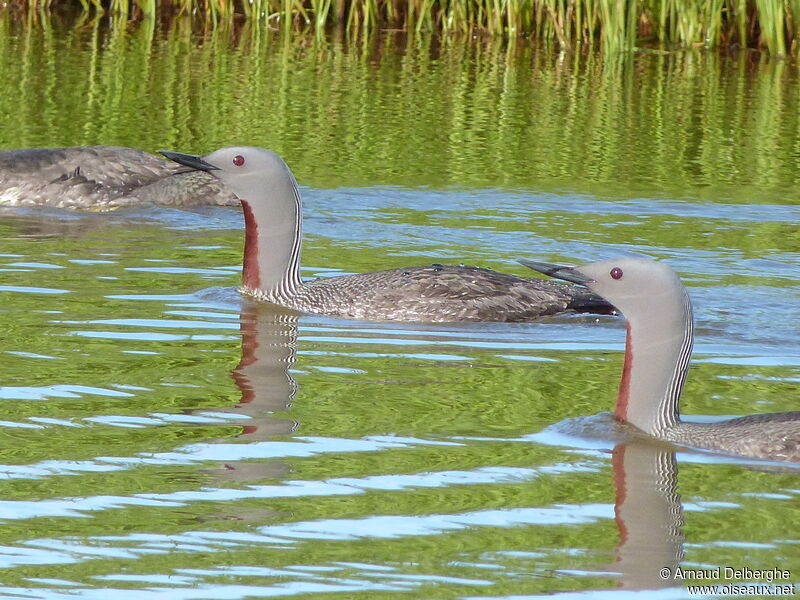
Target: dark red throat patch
251 272
618 467
247 328
621 410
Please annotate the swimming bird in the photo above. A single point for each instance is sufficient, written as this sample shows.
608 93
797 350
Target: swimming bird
102 178
436 293
659 343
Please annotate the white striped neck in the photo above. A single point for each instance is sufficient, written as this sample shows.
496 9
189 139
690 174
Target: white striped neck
657 350
273 240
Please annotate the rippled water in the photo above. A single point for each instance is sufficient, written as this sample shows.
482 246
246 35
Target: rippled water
162 437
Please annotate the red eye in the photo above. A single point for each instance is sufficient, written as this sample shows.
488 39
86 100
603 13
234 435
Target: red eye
238 160
616 273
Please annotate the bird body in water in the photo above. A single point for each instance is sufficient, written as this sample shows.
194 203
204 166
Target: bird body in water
434 293
437 293
660 336
101 178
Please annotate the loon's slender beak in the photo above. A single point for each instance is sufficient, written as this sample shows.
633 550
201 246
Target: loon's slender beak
557 271
189 160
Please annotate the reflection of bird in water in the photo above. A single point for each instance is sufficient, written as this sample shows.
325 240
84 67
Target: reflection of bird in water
436 293
660 337
102 178
649 514
269 347
269 344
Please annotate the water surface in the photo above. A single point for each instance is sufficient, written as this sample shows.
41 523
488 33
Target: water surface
164 438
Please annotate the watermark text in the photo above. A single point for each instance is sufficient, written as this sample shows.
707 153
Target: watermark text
732 581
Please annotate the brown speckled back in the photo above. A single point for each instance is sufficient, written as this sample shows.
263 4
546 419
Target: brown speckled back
440 293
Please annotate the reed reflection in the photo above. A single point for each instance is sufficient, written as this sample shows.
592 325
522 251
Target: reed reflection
723 126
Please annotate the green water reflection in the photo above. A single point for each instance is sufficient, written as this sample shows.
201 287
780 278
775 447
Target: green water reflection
449 499
161 436
419 111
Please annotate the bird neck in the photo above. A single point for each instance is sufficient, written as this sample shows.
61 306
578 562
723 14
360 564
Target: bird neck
273 237
657 352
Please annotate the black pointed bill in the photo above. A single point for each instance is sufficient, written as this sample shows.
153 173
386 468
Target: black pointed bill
189 160
557 271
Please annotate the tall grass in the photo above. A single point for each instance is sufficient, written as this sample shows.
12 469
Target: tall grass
618 25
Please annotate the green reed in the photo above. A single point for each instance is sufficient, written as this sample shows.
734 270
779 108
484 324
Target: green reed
617 24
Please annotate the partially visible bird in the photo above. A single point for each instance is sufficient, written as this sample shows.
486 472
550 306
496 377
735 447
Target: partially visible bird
101 178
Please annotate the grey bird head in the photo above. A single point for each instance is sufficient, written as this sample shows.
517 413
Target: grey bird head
635 286
248 171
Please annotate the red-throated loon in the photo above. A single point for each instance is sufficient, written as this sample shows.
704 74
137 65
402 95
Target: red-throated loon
273 237
659 343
